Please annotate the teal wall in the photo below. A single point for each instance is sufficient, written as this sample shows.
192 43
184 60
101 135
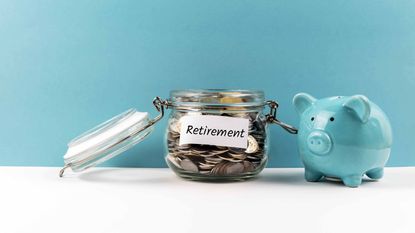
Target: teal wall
67 65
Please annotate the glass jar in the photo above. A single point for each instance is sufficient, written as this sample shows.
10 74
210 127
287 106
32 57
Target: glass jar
212 134
201 161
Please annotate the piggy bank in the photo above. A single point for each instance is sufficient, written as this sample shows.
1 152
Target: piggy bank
342 137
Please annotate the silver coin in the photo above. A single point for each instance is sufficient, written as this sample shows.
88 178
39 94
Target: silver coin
238 156
174 161
188 165
252 145
234 168
248 166
230 159
206 166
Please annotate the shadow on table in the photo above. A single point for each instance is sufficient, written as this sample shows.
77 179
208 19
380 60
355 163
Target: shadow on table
122 176
296 178
289 178
292 178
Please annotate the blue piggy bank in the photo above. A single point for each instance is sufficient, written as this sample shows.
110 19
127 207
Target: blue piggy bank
342 137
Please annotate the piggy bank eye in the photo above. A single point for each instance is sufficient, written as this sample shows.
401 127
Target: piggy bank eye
312 118
331 118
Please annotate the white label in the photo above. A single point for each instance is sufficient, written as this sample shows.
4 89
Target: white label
214 130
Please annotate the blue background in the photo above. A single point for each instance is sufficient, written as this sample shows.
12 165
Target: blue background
67 65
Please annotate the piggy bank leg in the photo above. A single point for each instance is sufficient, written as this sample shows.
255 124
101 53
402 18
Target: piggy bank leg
312 176
352 181
375 174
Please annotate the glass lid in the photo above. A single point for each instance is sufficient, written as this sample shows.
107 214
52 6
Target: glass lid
110 138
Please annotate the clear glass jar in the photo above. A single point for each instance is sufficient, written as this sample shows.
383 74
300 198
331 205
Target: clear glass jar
212 134
207 162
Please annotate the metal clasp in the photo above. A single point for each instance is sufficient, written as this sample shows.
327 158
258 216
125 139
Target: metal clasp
272 117
63 169
159 104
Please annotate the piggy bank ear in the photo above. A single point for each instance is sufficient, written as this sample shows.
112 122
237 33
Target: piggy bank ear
302 101
360 106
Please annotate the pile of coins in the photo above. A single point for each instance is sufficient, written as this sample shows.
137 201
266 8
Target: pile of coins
218 161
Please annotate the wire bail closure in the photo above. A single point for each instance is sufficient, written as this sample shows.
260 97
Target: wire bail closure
159 104
272 117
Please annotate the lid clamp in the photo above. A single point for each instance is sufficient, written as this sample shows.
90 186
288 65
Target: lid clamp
272 117
159 104
63 169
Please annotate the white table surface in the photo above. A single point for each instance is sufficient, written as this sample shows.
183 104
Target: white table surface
35 199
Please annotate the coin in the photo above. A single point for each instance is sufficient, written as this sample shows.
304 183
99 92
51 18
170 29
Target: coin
188 165
252 145
234 168
173 160
248 166
175 127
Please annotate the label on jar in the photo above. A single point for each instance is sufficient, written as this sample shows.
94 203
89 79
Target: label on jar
214 130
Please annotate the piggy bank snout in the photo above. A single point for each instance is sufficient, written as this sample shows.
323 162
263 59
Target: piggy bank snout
319 142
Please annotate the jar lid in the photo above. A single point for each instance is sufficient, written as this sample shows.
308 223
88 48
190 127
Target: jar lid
107 140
